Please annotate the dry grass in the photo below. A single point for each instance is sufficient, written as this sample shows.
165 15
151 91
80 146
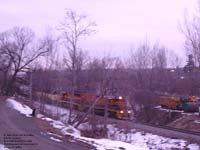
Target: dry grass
96 133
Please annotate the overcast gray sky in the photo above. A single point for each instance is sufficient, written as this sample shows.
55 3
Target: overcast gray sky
121 23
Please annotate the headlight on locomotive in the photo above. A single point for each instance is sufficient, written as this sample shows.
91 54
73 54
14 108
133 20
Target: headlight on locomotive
121 111
129 111
120 97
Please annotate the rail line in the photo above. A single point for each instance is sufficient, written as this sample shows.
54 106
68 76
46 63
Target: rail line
165 131
174 129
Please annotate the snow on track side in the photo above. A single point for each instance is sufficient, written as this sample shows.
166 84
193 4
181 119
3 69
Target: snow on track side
23 109
100 144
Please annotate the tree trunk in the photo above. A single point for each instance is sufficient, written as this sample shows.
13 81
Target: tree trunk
10 87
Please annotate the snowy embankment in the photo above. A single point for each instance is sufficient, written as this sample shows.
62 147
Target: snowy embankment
118 138
100 144
2 147
23 109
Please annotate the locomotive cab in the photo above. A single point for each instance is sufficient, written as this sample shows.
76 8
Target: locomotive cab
119 106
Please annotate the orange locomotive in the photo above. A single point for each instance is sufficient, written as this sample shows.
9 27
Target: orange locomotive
116 107
169 102
175 102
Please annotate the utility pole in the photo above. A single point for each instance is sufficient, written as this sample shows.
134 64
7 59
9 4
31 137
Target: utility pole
30 86
30 93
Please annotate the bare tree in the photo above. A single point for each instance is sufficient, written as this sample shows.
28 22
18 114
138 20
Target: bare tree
191 31
140 64
159 57
19 46
74 28
5 68
102 81
174 61
141 56
100 75
147 74
52 57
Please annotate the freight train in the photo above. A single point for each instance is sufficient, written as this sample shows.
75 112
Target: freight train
185 103
116 107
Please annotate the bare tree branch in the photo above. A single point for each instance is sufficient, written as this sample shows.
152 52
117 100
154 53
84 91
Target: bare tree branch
18 45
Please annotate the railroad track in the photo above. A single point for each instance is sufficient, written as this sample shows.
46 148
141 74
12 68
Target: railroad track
168 131
174 129
165 131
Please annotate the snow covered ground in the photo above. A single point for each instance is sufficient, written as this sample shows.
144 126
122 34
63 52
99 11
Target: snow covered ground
23 109
147 140
168 110
100 144
117 138
197 121
55 139
180 111
2 147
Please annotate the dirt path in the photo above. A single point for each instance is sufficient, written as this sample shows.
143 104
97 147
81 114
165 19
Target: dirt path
15 125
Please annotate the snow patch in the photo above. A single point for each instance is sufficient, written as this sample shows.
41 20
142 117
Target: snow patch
146 140
103 144
54 139
58 124
54 134
71 131
47 119
84 126
168 110
193 147
100 144
2 147
172 70
58 111
23 109
197 121
118 139
40 116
